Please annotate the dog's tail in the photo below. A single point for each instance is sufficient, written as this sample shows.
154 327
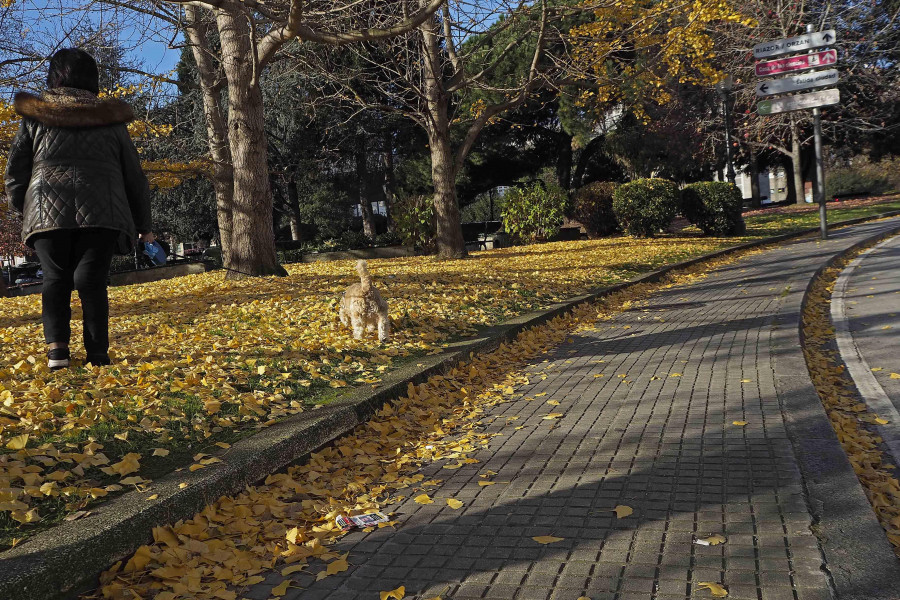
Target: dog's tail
365 279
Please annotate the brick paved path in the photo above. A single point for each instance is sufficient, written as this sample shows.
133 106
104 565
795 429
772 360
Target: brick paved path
660 443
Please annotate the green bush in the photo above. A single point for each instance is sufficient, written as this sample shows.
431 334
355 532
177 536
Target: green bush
644 207
592 206
714 206
535 212
415 221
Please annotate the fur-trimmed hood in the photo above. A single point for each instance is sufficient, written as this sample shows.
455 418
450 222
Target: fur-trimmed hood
71 107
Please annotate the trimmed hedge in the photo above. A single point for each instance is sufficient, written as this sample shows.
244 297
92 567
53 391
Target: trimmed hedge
534 213
592 207
714 206
645 207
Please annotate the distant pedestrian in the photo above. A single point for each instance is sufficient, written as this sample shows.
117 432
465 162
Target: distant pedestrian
75 176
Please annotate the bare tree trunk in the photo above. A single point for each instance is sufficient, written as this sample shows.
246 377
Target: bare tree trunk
564 162
3 291
756 201
795 163
389 183
293 199
251 251
450 243
362 181
217 134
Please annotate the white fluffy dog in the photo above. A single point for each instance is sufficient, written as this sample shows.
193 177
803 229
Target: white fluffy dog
363 308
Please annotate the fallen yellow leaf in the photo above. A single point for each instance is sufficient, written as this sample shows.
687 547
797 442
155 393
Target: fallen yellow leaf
454 503
622 511
552 416
713 540
895 375
18 442
716 589
160 452
553 402
397 594
739 423
881 421
423 499
547 539
282 588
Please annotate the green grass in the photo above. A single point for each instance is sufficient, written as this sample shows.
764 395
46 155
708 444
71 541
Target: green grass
775 224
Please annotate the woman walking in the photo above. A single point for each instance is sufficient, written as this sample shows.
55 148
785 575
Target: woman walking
75 176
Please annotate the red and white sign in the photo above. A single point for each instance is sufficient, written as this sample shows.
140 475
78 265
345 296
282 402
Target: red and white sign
796 63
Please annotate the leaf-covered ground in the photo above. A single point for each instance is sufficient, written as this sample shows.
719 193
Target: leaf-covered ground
201 361
850 417
287 523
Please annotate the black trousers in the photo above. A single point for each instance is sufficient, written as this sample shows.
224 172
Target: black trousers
76 259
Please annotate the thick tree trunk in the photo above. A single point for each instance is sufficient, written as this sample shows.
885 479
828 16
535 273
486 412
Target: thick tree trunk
362 184
450 243
216 131
796 166
449 239
293 199
251 251
3 291
756 200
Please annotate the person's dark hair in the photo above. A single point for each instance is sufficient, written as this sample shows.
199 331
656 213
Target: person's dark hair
74 68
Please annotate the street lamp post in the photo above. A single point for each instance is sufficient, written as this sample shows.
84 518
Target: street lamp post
724 87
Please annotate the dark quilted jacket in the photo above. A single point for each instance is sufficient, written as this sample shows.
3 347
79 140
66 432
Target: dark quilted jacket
73 165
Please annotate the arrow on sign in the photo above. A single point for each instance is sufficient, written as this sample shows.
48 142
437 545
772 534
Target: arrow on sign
797 82
799 102
799 43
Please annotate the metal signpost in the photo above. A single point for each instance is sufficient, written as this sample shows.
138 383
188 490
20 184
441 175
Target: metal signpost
797 83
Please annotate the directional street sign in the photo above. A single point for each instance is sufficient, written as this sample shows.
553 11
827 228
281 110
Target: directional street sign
797 82
800 43
799 102
796 63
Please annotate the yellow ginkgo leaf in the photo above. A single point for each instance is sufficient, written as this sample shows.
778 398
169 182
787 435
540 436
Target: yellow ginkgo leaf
552 416
292 569
895 375
423 499
547 539
160 452
397 594
622 511
675 375
876 369
454 503
484 483
739 423
282 588
716 589
553 402
881 421
583 598
18 442
713 540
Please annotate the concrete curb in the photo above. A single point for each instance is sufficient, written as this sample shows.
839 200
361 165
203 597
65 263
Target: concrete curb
860 372
857 555
67 559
